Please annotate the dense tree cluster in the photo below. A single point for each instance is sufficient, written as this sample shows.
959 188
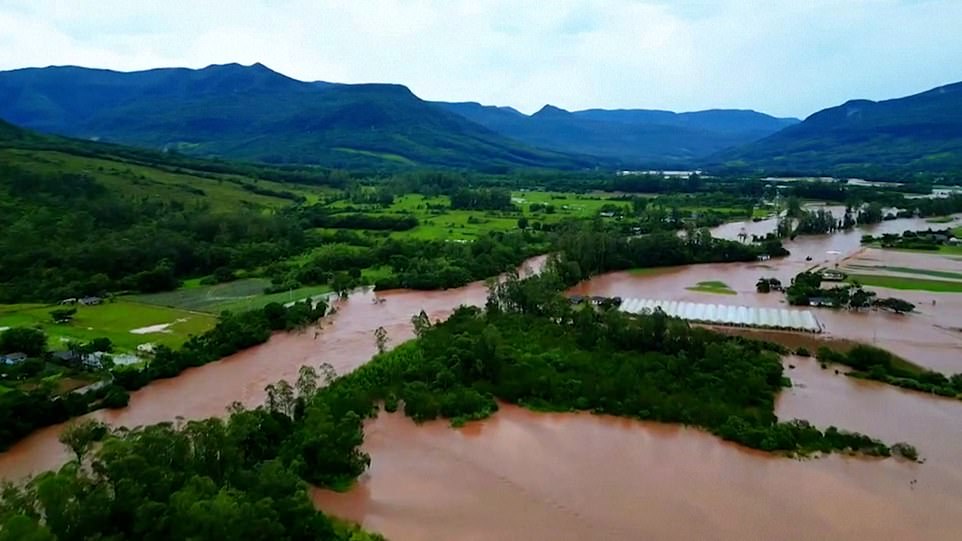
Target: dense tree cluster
589 249
806 289
205 481
481 199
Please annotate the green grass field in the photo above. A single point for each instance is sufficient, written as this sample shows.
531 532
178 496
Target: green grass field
899 282
940 220
456 225
712 286
909 270
235 296
113 320
943 250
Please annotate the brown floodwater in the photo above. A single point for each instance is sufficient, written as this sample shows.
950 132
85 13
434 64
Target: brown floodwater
522 475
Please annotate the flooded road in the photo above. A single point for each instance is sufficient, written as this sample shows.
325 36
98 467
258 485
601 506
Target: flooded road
521 475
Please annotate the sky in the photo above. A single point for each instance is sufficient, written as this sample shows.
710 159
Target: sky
782 57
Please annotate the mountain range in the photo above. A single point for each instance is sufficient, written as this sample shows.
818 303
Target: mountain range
255 114
631 136
922 132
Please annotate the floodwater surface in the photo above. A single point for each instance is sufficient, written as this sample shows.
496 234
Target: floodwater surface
523 475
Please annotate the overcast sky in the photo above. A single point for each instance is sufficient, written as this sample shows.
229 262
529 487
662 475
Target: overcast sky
783 57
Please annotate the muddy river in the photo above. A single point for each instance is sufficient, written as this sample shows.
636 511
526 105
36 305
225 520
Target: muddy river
522 475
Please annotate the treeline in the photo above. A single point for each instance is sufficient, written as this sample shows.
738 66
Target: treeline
877 364
593 248
481 199
65 235
320 217
24 410
442 265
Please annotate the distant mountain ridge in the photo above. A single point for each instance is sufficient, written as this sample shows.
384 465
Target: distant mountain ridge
921 132
631 136
254 113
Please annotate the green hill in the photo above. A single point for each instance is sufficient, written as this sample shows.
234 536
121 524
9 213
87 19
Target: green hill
253 113
82 218
922 132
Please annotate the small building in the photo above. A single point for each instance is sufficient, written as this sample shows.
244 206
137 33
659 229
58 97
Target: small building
764 257
821 301
91 301
13 358
71 300
576 299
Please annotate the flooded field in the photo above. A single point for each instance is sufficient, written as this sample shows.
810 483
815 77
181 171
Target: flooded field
521 475
524 475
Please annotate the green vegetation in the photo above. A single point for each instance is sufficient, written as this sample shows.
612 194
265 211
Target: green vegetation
806 290
908 270
876 364
940 220
713 286
236 296
907 283
206 481
114 320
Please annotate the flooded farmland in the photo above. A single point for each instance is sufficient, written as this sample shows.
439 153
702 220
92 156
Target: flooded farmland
523 475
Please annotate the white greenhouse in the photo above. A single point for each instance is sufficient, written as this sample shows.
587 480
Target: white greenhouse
723 314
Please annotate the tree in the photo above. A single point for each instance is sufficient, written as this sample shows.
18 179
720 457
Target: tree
63 315
523 223
793 207
80 435
763 285
381 339
101 344
421 323
33 342
306 382
898 306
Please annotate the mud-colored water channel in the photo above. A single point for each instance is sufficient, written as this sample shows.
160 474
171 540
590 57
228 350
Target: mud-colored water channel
522 475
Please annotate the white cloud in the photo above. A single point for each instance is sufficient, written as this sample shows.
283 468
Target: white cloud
782 57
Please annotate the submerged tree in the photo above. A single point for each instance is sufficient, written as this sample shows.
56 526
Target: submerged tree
381 339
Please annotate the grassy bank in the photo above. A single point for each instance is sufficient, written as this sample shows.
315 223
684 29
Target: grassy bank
907 283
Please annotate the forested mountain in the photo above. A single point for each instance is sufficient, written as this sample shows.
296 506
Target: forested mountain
253 113
631 136
922 132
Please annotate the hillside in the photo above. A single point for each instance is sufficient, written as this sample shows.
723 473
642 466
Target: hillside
253 113
922 132
81 218
631 136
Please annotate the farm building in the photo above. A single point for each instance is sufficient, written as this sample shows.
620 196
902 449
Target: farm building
721 314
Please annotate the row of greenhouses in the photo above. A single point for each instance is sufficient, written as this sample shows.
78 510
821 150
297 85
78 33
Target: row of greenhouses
723 314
